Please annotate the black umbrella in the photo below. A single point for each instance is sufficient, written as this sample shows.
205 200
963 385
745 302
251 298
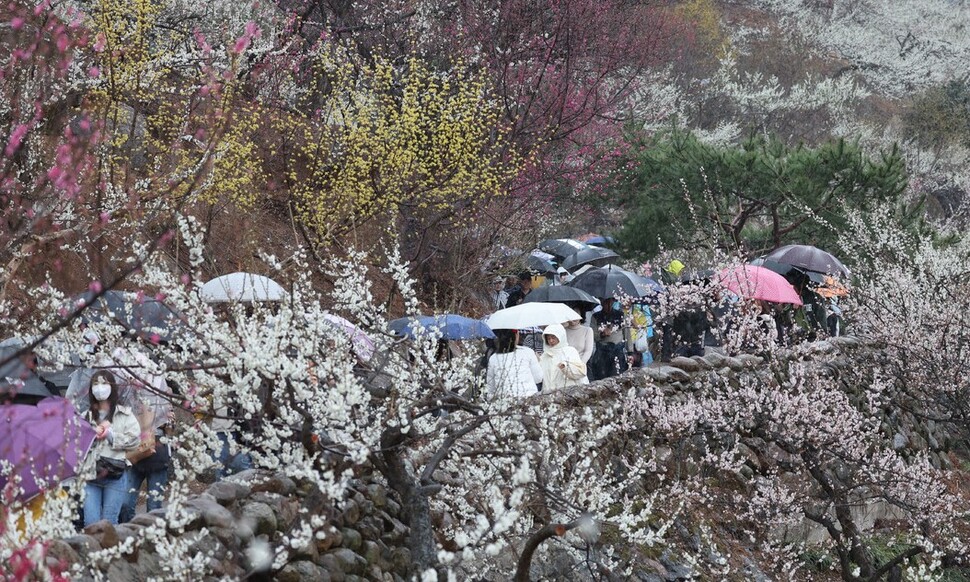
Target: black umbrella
561 247
540 264
809 258
56 377
18 381
696 276
560 294
144 316
597 256
604 282
798 277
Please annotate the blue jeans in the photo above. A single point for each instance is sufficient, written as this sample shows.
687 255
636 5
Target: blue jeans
157 480
231 464
103 498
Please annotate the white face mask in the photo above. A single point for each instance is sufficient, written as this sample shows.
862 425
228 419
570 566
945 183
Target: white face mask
101 391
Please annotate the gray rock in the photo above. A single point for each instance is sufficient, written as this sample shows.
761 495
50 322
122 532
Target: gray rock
352 538
350 512
655 572
393 507
349 562
213 514
753 572
751 360
226 492
664 373
734 364
370 528
232 538
822 347
83 544
371 552
900 441
845 341
377 494
366 507
676 570
148 563
104 532
303 571
686 364
400 560
122 571
274 500
248 476
715 360
62 551
332 537
261 517
125 531
147 519
307 551
280 484
331 566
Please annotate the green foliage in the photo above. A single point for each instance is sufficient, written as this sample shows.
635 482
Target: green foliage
684 193
940 116
817 560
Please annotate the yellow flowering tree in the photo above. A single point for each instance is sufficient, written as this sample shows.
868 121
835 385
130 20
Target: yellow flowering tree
391 141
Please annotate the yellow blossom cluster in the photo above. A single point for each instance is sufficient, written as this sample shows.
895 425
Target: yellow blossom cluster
390 138
343 138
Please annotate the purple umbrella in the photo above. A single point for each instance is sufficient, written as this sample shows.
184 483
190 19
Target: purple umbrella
45 444
361 343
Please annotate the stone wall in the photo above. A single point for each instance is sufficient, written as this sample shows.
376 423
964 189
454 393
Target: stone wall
365 535
242 518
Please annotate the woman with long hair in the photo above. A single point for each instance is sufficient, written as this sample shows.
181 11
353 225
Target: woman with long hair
513 370
116 431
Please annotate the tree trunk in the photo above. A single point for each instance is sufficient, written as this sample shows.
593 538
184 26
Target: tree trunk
414 502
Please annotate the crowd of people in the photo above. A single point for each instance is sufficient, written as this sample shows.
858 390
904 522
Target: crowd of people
130 414
624 333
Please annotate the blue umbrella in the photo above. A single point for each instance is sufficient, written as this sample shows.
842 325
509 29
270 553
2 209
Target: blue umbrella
450 326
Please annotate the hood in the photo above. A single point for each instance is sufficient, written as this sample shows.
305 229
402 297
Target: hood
557 330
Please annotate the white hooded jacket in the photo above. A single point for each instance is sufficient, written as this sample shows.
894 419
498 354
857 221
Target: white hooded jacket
561 364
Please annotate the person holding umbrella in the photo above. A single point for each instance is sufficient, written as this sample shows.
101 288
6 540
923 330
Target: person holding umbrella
513 370
116 432
560 362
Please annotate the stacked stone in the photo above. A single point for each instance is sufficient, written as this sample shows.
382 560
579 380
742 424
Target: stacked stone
364 538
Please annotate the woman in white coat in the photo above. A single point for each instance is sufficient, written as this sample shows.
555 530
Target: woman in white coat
513 370
561 364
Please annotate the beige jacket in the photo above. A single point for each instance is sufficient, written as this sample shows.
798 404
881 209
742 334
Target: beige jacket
125 435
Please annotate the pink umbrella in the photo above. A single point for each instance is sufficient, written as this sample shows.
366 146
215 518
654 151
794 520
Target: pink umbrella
363 345
756 282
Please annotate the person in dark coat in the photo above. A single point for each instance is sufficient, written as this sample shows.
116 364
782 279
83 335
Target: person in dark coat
518 293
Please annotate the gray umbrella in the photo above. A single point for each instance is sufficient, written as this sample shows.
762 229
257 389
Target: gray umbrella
561 247
809 258
605 282
597 256
560 294
143 316
18 381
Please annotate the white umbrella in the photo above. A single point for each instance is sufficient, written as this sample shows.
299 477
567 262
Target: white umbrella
244 287
530 315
